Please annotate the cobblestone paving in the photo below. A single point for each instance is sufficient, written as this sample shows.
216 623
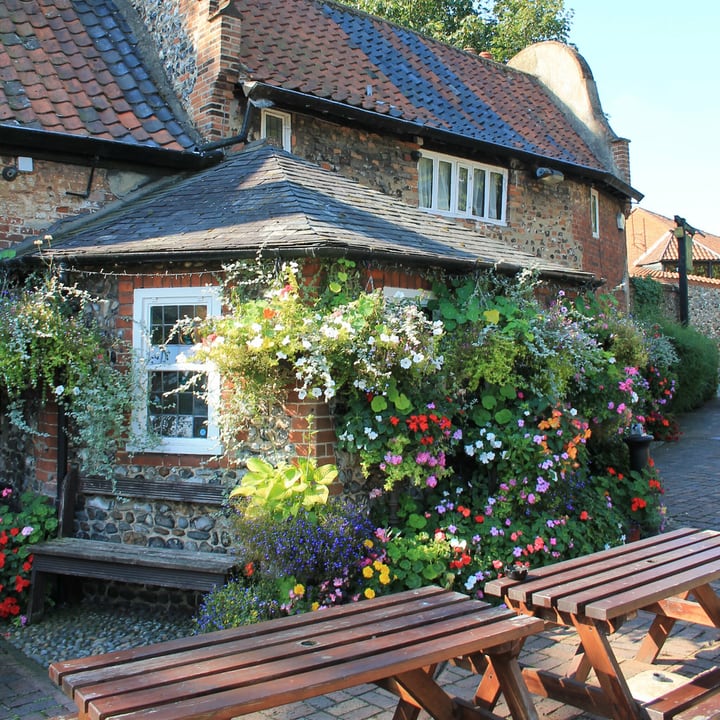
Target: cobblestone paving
689 469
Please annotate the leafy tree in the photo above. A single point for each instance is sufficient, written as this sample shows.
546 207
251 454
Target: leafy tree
520 23
502 27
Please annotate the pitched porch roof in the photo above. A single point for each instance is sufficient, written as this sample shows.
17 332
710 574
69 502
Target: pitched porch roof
265 200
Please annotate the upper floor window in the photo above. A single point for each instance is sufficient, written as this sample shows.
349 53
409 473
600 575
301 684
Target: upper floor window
175 394
594 213
275 127
460 188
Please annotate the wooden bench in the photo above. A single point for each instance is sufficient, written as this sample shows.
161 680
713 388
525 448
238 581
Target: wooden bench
140 564
181 569
396 642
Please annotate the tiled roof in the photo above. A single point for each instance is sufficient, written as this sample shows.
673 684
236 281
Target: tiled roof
667 278
334 52
264 198
651 240
73 68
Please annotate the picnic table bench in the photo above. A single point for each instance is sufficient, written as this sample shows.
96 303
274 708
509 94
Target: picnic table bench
395 641
595 594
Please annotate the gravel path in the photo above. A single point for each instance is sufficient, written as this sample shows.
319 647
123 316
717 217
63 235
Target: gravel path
78 630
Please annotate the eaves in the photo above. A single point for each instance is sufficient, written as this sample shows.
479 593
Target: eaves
324 107
82 150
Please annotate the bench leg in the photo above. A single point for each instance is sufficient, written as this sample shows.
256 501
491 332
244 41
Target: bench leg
509 677
36 602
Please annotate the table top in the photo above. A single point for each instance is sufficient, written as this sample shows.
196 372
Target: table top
262 665
616 582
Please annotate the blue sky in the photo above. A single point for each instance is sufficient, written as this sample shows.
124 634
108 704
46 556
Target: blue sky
657 68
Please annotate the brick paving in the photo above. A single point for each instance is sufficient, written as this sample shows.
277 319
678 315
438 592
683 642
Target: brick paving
689 469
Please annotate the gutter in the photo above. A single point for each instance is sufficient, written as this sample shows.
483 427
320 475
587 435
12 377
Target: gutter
82 150
296 100
580 277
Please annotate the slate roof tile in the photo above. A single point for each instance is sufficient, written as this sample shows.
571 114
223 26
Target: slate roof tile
54 43
264 197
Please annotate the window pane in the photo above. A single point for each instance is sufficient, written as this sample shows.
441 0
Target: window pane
274 129
496 196
463 182
425 182
478 200
175 412
594 214
444 185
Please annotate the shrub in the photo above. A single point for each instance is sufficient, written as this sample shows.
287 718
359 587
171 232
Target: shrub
239 602
20 529
696 368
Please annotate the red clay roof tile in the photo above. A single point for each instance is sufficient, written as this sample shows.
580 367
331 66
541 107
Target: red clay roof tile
51 67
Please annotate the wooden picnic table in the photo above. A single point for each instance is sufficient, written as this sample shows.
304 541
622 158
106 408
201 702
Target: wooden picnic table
396 641
595 594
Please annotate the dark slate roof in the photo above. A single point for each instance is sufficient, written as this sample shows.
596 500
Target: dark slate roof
72 67
333 52
266 199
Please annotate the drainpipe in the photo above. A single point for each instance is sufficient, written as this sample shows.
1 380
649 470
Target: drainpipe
248 88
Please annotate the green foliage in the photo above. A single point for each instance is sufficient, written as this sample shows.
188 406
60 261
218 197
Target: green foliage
498 423
22 524
648 298
697 366
280 491
503 27
520 23
51 345
239 602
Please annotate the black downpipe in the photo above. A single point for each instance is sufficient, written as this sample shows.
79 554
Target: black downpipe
241 137
62 451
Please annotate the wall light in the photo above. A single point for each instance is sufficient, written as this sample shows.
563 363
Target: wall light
620 219
549 176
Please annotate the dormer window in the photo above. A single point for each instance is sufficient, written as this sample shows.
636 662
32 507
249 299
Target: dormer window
275 127
459 188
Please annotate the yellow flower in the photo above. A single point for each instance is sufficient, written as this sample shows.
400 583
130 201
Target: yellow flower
299 590
369 593
367 572
368 543
378 565
384 578
315 605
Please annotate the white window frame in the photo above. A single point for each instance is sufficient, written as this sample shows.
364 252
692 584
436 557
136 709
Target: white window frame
595 213
150 359
285 118
470 168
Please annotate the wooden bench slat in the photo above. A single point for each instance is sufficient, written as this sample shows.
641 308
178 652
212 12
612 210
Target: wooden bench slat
395 618
686 696
428 596
79 548
223 695
544 576
625 602
572 591
192 492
